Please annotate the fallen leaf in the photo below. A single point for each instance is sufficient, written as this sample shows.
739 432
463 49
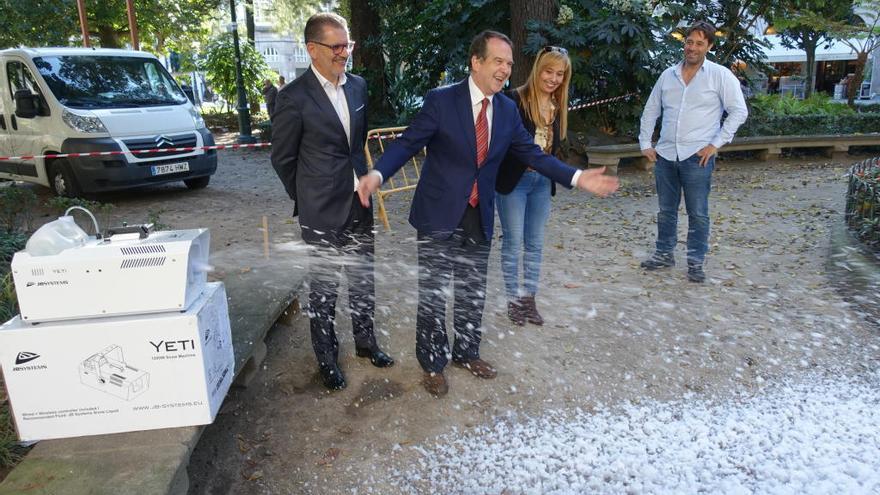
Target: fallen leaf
329 456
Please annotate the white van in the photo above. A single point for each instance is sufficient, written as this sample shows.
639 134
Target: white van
77 100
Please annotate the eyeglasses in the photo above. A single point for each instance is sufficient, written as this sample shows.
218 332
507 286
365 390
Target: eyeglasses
337 49
557 49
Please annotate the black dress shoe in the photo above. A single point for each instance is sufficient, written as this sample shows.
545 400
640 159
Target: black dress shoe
332 377
378 358
658 261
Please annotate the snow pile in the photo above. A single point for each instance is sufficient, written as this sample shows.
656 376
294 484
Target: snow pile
821 436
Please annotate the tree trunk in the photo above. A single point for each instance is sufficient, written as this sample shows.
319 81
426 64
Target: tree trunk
109 37
249 21
855 84
810 66
368 54
520 12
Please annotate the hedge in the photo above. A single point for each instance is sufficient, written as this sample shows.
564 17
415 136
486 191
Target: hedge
805 125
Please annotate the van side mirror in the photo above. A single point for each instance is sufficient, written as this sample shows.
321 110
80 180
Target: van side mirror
27 104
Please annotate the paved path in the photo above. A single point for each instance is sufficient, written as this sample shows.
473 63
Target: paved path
615 335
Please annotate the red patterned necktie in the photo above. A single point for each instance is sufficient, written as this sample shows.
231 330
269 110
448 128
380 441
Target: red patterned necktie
482 148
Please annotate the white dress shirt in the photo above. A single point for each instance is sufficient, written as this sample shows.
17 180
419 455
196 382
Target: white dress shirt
692 112
477 97
336 95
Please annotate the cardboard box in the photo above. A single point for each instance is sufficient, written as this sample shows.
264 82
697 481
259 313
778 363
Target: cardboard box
110 375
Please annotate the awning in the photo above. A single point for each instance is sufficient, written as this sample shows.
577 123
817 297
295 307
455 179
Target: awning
778 53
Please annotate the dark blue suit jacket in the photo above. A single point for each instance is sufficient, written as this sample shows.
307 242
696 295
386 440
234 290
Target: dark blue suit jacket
445 125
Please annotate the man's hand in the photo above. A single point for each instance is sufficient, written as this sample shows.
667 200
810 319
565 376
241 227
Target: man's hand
367 185
595 181
706 153
650 154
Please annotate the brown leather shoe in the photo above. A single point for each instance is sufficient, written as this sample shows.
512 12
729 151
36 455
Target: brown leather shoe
515 313
435 384
478 368
530 310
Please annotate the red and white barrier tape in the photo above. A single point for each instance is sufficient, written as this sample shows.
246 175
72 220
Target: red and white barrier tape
189 149
600 102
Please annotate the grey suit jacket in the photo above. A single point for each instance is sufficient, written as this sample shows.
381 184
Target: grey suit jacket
311 155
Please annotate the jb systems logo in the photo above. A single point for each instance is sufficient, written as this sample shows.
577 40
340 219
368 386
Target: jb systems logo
48 283
24 357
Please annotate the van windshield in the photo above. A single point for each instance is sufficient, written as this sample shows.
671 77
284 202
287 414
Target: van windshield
90 81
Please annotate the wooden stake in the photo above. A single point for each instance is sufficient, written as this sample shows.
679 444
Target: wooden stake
83 23
265 237
132 25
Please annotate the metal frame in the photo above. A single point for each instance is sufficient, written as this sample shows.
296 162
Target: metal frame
406 179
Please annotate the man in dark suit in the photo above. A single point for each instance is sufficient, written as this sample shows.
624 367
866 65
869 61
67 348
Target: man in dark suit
318 151
468 129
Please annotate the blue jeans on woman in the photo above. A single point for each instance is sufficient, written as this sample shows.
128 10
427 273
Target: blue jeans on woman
673 178
524 213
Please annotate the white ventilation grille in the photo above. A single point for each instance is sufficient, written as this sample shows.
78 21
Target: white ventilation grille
143 262
38 272
147 249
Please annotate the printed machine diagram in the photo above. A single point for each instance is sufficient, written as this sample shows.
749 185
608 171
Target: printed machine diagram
107 371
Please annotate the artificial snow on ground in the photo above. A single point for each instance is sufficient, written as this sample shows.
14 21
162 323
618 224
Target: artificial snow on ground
820 435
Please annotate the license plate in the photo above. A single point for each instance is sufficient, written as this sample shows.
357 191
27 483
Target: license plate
170 168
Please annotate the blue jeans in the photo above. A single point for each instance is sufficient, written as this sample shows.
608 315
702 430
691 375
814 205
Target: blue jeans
524 213
695 181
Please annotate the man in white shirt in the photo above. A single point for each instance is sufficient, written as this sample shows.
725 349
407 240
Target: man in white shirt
692 97
319 130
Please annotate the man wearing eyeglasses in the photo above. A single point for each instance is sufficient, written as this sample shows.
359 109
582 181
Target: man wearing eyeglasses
319 130
692 97
468 129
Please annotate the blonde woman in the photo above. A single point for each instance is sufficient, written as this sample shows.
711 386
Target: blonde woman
523 194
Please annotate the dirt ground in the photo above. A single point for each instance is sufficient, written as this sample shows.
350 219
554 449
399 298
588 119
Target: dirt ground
614 333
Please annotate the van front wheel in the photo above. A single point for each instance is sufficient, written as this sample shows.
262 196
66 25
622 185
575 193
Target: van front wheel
62 181
198 182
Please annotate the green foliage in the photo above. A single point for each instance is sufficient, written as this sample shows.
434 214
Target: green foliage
863 204
735 19
10 243
795 20
807 125
613 51
426 44
816 104
16 207
8 302
219 65
868 108
154 217
43 23
218 120
10 453
161 23
860 33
